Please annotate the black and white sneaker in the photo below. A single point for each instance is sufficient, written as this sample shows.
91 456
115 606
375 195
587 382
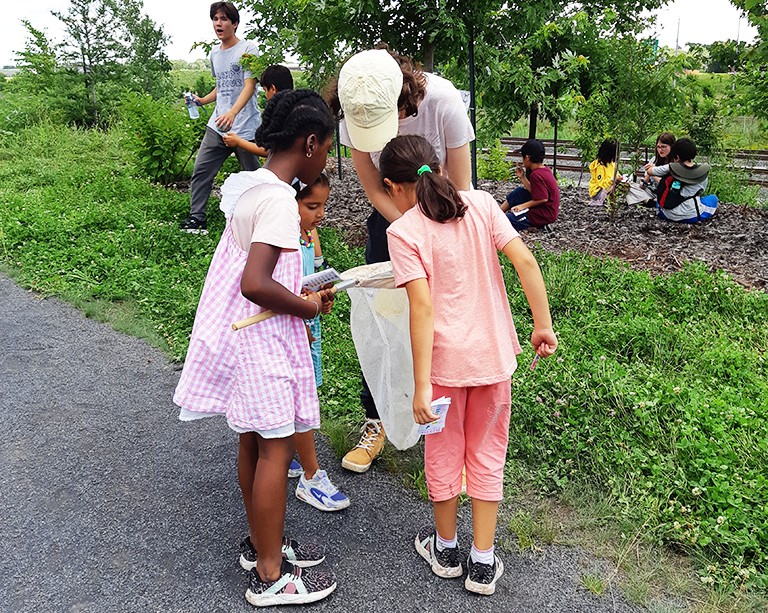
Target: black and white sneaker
302 555
193 226
445 563
482 578
294 586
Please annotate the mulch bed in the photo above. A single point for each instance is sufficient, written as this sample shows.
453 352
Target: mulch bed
735 240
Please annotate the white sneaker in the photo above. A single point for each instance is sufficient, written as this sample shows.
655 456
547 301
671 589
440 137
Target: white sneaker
321 493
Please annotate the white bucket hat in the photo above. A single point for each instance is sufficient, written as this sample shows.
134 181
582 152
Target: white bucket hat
370 83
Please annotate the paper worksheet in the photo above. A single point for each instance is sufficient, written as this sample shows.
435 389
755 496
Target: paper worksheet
316 280
440 408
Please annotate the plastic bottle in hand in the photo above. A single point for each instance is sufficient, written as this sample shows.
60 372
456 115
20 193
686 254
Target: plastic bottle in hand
191 106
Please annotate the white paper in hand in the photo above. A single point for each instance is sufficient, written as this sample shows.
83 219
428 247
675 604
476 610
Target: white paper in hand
440 408
316 280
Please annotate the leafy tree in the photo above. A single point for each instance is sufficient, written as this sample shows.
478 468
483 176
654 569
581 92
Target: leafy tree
322 32
635 101
148 65
110 47
92 50
530 57
728 56
754 81
37 62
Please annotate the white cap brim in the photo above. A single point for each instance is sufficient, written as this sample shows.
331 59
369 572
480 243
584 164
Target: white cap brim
373 138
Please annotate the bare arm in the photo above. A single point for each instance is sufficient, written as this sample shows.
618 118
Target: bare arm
458 167
258 286
208 98
543 337
422 324
371 182
233 140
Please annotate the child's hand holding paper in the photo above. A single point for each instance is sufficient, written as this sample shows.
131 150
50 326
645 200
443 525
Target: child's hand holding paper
440 408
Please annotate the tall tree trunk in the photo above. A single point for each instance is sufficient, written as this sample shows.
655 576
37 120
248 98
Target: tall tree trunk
428 52
533 120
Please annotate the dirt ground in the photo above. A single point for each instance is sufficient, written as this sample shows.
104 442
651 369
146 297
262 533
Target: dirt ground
735 240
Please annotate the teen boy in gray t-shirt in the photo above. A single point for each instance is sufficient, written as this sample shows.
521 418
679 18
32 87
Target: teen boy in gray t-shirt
235 110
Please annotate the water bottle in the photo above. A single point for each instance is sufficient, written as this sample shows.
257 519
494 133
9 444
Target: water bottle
191 106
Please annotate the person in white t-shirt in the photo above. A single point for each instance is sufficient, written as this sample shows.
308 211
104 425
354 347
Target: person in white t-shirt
380 95
235 111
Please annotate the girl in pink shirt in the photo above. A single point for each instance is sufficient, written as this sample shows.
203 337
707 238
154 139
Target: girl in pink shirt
261 377
445 253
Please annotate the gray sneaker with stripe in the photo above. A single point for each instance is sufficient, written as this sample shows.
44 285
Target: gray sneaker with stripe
294 586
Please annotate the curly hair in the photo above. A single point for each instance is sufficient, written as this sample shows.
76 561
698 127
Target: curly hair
413 91
437 196
293 114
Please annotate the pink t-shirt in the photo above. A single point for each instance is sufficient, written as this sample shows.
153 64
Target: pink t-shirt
475 340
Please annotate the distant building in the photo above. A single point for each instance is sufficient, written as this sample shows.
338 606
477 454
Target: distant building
8 71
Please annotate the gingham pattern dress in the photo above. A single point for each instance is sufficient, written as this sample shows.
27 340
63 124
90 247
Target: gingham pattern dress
261 377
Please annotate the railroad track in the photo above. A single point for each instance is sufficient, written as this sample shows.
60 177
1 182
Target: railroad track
755 162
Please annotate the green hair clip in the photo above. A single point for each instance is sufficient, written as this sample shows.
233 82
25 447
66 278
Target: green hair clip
423 169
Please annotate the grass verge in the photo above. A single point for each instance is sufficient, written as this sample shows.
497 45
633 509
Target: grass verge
656 402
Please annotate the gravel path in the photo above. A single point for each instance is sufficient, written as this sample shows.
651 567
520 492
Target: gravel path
111 504
735 240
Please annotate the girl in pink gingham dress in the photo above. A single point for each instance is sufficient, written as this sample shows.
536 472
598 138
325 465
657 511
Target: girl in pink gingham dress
261 377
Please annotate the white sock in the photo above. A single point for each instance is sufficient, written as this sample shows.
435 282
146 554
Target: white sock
442 544
482 557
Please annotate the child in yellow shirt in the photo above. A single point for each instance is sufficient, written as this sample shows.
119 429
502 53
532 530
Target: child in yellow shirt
602 169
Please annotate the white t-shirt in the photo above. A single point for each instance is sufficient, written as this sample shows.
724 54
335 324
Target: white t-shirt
267 213
230 80
442 120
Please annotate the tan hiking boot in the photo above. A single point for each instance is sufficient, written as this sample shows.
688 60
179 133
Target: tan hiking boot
370 445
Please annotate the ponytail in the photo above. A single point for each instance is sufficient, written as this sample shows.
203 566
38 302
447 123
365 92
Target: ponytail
411 159
438 197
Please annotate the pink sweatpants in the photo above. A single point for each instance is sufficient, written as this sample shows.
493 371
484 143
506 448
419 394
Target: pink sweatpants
475 436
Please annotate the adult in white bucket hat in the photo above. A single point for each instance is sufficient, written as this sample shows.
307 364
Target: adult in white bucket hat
380 95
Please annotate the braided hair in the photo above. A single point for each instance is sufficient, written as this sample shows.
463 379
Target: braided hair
437 196
290 115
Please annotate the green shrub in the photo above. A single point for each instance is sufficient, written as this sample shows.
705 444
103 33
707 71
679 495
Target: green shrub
494 165
704 124
163 137
20 110
730 182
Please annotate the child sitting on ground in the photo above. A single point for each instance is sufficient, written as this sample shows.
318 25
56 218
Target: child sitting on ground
446 241
537 203
602 181
314 487
682 184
